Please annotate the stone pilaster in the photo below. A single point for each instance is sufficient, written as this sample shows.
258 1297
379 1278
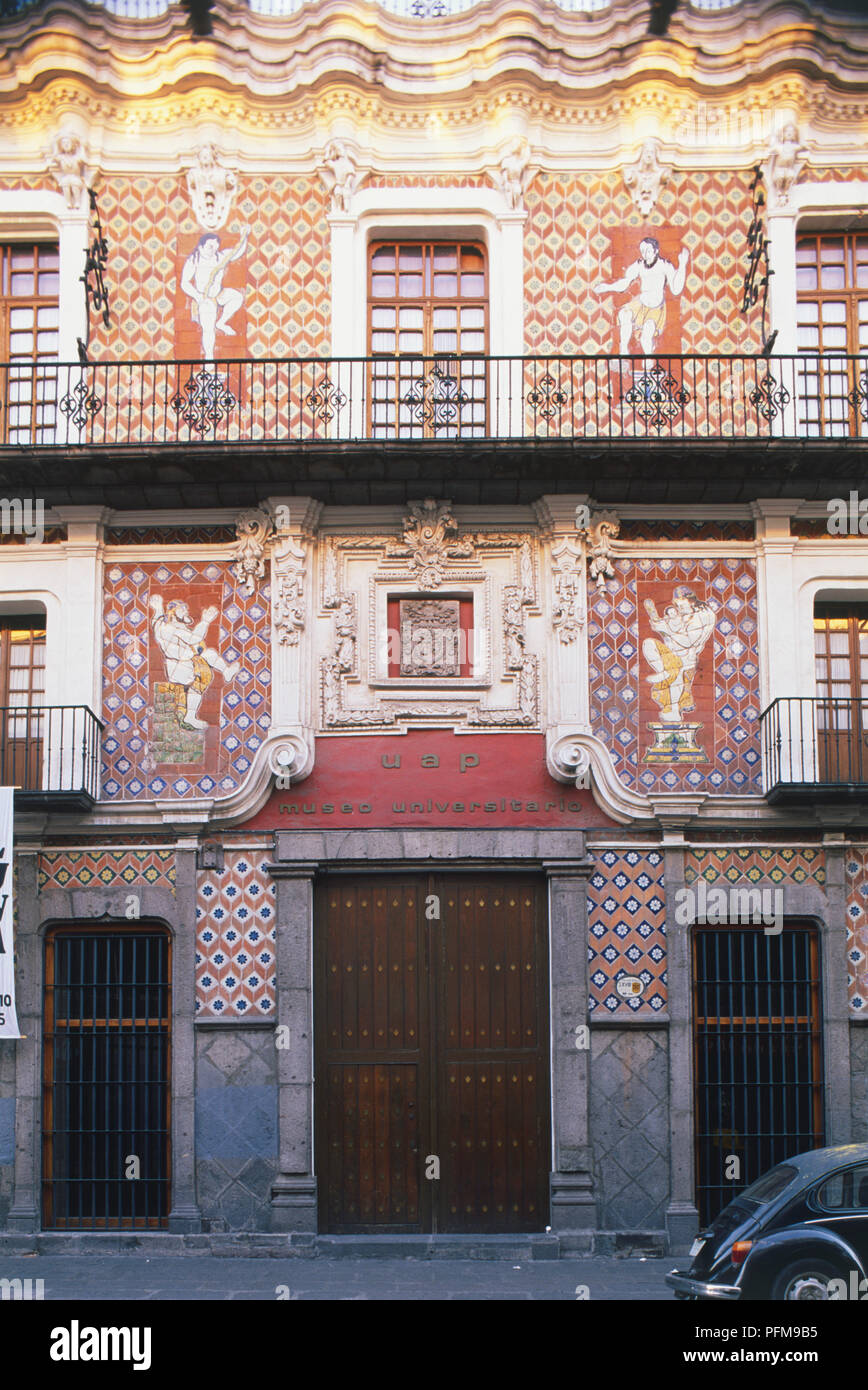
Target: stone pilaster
293 1192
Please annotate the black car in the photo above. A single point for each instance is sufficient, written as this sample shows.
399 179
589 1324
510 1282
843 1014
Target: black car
799 1232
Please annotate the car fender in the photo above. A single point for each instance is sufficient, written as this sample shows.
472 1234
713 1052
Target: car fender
770 1253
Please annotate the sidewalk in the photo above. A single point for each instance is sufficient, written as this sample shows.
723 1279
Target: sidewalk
139 1277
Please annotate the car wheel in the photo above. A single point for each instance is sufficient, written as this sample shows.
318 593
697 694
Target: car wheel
806 1280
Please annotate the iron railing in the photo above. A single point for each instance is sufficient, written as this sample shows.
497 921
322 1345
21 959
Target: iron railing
812 744
300 400
50 752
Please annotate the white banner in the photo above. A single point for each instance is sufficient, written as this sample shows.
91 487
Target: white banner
8 1016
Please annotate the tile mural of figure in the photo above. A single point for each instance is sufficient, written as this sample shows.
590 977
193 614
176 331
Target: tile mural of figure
190 665
673 654
213 304
644 317
684 628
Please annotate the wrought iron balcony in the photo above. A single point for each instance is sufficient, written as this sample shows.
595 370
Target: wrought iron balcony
298 401
815 750
51 755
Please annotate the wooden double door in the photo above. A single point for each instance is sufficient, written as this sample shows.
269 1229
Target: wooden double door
432 1053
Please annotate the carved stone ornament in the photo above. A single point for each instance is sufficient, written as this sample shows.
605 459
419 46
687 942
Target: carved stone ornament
430 539
253 529
568 613
346 632
513 627
211 186
646 177
339 175
783 166
513 173
599 534
430 637
288 613
67 163
290 758
569 761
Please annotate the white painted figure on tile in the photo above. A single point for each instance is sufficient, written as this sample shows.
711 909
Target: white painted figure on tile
202 280
645 315
684 629
190 665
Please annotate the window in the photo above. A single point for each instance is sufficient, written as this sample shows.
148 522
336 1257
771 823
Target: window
29 336
845 1191
841 668
428 334
22 695
832 323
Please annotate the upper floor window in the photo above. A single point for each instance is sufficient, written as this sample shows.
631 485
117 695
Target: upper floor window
22 695
841 668
832 322
428 321
29 324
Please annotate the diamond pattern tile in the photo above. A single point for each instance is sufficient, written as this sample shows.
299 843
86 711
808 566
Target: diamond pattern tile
289 286
857 928
235 938
627 931
88 869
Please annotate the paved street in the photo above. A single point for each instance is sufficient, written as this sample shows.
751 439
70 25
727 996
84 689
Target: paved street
137 1277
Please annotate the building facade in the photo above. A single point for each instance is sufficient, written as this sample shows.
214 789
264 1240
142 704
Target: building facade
433 612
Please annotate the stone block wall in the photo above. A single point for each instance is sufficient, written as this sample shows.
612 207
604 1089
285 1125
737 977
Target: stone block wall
236 1126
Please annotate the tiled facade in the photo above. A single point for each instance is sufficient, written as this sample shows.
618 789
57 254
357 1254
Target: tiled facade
627 931
573 222
147 751
107 868
287 264
727 674
236 938
857 928
271 744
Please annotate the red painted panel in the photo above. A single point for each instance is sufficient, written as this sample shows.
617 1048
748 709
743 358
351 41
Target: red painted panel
434 778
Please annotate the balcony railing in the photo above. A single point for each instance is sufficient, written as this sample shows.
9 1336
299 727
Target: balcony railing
51 755
318 399
815 749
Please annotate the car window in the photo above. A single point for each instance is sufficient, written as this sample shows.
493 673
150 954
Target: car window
845 1191
770 1185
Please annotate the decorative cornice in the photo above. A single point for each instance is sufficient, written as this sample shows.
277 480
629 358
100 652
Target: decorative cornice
274 56
146 134
563 70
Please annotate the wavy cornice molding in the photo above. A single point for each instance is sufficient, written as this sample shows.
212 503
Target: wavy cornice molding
590 136
266 58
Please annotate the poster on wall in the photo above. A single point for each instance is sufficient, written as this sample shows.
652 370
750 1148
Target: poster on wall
8 1016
